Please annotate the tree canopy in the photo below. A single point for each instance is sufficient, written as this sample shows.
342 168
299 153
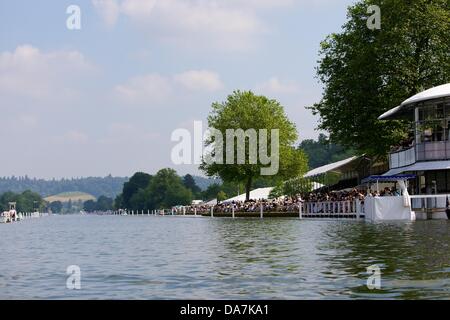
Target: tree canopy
26 201
246 111
323 151
367 72
163 190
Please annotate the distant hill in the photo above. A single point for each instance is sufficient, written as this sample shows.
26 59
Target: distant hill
108 186
70 196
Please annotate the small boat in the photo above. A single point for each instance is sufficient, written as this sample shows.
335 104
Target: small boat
11 215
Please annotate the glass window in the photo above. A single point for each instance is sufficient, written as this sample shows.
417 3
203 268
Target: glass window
447 110
440 111
430 112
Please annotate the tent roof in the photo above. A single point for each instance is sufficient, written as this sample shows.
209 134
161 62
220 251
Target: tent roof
421 166
329 167
433 93
261 193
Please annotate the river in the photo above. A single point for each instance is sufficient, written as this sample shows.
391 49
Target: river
125 257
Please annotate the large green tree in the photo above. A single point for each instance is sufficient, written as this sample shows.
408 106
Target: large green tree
139 180
189 183
166 190
367 72
245 110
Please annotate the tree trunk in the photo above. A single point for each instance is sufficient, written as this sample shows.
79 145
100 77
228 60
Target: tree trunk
248 187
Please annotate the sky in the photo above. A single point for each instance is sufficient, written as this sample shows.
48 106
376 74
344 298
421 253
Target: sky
105 98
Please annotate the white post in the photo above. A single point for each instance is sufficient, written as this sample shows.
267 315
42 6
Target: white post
232 211
358 209
300 214
261 211
212 212
195 211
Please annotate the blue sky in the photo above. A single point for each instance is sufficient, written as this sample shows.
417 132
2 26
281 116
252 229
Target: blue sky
105 99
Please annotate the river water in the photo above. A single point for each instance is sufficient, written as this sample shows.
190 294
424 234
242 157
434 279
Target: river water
220 258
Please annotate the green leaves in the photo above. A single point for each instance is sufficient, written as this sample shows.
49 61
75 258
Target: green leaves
366 72
245 110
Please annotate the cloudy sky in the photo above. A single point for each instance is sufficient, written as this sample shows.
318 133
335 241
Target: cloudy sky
105 99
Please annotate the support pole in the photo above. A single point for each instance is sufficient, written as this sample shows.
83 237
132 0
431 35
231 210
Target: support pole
195 211
358 209
300 213
212 212
232 212
261 211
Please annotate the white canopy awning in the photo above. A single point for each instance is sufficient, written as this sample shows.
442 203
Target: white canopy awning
329 167
421 166
257 194
433 93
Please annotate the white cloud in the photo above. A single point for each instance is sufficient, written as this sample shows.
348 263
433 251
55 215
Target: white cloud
156 89
275 86
199 80
232 25
144 89
109 10
28 72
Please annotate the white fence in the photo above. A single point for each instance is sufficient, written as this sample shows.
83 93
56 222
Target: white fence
438 201
335 208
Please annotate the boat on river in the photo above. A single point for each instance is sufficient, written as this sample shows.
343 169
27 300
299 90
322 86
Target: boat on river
11 215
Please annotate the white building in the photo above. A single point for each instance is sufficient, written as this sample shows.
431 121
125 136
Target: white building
428 154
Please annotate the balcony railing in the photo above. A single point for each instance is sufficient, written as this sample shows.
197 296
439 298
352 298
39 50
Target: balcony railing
439 150
402 158
427 151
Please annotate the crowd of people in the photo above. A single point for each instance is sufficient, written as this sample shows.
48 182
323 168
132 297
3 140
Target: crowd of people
287 204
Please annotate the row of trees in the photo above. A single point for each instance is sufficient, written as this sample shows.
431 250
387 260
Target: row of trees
97 186
163 190
323 151
26 201
102 204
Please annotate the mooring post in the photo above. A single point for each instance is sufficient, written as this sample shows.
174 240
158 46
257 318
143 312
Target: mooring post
212 212
358 209
195 211
300 213
261 211
232 211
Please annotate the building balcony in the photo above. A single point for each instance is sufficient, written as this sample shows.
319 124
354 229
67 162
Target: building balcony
428 151
402 158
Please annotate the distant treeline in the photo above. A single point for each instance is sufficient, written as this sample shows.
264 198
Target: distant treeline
323 152
97 186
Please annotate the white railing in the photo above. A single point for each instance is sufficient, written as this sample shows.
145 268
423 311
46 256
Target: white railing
402 158
437 201
355 207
